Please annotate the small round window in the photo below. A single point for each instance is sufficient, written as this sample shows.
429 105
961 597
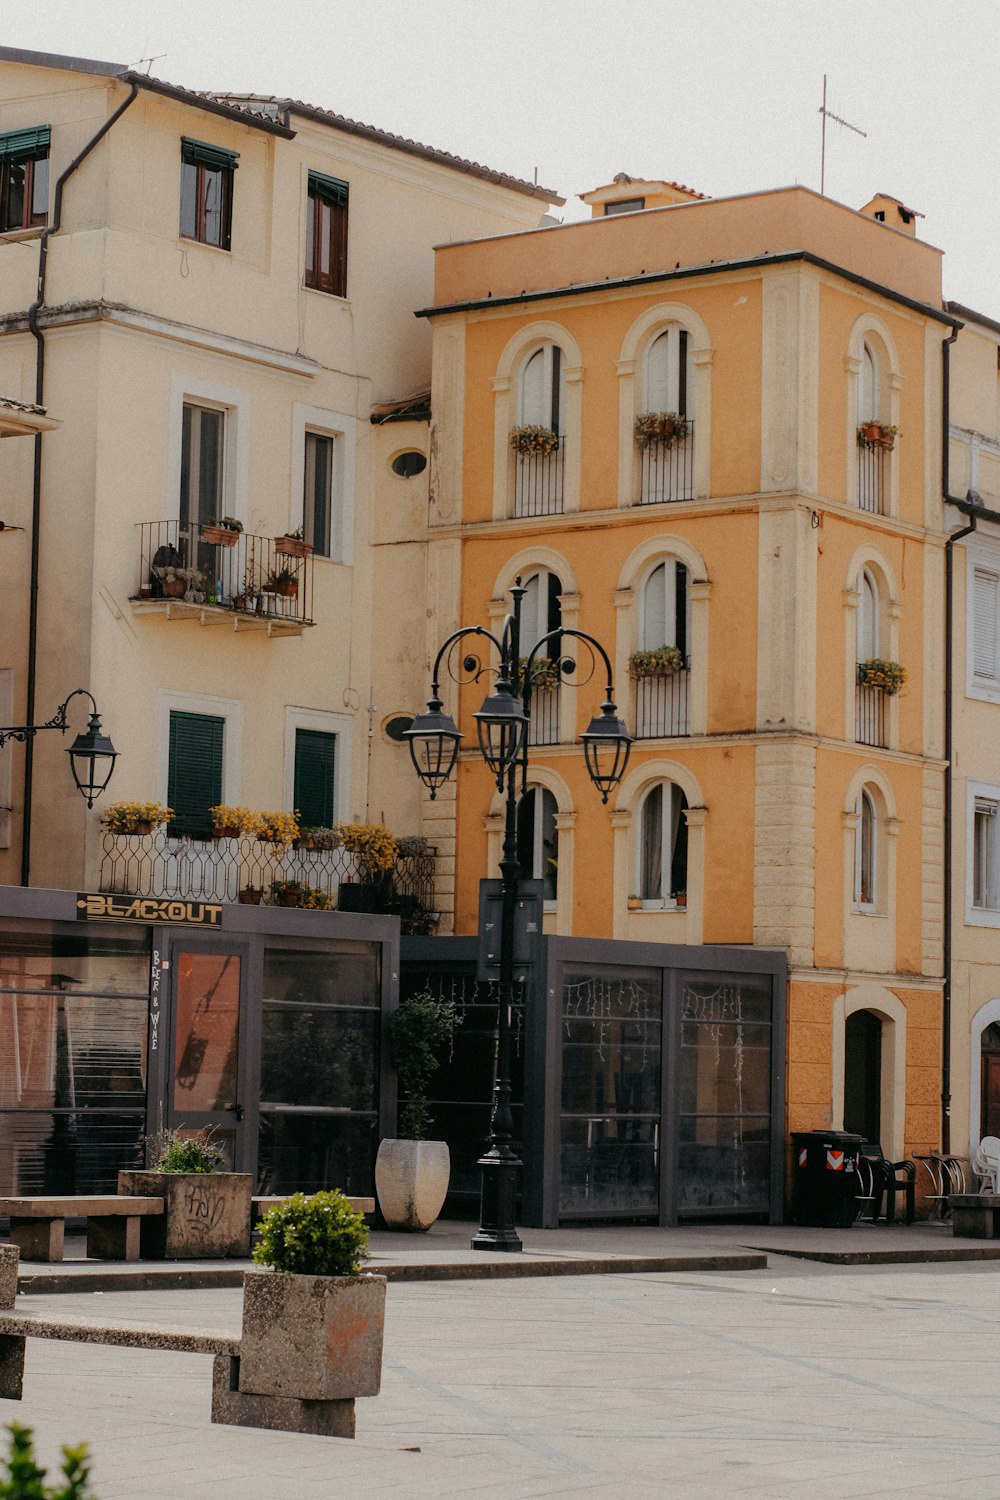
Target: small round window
409 464
397 726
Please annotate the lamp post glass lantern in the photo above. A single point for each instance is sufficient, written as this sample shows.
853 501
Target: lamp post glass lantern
502 725
92 756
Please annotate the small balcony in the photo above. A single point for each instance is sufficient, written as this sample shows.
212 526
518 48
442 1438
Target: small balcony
875 445
245 869
662 705
543 728
220 577
538 482
870 716
668 470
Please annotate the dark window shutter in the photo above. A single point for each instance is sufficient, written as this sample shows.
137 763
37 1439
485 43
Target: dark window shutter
200 153
194 775
315 759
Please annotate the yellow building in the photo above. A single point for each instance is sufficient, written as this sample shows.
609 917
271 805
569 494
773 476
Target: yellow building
739 496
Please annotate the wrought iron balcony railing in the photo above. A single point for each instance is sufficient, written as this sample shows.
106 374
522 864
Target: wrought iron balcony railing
668 472
538 482
873 477
661 705
870 716
209 573
249 870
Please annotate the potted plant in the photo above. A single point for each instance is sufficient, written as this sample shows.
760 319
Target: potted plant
377 853
544 673
284 582
278 828
659 427
224 533
312 1319
635 903
229 822
251 895
680 898
876 435
662 661
292 544
176 583
533 439
412 846
135 818
206 1209
412 1172
298 893
887 675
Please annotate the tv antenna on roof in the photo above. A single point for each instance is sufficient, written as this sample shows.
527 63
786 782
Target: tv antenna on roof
828 114
149 61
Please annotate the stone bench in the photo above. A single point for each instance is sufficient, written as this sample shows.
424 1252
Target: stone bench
230 1405
38 1225
259 1206
976 1215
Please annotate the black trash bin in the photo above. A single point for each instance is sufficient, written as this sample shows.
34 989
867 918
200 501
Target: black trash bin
825 1178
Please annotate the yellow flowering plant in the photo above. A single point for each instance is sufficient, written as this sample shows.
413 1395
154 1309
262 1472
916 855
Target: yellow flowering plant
229 822
280 828
125 817
374 845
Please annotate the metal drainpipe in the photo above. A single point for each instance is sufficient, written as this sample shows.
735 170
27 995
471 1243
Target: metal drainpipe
949 673
36 488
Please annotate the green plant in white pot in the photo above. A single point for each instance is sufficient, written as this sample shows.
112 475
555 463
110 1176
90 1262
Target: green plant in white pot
412 1172
313 1321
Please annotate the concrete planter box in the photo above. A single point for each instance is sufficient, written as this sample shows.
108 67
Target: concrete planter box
313 1338
411 1179
9 1258
206 1214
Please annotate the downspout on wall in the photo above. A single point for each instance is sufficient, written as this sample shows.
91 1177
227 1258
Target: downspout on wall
36 488
973 511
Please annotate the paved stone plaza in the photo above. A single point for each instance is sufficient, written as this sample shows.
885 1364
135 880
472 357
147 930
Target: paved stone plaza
800 1380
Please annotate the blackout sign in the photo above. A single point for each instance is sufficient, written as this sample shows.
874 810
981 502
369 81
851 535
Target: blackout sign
92 906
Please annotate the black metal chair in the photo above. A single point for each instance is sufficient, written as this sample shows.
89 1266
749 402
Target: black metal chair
885 1182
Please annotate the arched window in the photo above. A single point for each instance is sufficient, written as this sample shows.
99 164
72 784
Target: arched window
869 387
666 607
669 373
663 844
869 631
866 852
542 390
541 612
538 838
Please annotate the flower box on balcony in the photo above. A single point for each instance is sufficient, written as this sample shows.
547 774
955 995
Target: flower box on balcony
292 546
662 427
221 535
876 435
533 439
887 675
661 662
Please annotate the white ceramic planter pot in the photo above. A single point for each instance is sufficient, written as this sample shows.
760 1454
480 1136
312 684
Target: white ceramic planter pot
314 1338
411 1179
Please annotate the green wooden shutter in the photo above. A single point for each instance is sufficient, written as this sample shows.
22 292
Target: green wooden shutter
330 189
315 759
201 153
194 774
25 143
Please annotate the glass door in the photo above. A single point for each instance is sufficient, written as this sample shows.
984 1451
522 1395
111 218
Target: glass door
207 1072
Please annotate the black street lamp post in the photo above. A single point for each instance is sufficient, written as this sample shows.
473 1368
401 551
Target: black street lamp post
502 724
88 753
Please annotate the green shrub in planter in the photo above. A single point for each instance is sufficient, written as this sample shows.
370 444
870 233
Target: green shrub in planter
317 1236
173 1152
418 1031
23 1480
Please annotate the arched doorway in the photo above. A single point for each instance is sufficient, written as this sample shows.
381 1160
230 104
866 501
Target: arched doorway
863 1074
989 1086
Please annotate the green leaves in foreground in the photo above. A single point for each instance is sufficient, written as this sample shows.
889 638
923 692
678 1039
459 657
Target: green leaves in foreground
23 1479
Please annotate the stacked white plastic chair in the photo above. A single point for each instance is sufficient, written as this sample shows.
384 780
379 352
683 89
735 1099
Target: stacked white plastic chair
986 1164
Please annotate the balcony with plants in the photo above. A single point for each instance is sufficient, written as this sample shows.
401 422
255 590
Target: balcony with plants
876 442
539 471
666 443
877 681
221 575
662 680
267 858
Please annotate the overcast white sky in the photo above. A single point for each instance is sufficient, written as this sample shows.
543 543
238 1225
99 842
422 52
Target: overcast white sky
720 94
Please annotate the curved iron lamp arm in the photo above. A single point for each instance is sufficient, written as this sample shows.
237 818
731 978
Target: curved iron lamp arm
22 732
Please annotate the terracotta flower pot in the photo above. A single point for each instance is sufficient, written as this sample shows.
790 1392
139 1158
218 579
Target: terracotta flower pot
292 546
287 588
219 536
249 896
143 826
174 588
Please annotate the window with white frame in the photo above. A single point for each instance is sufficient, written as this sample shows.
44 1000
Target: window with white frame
869 387
985 855
670 373
542 390
662 845
318 492
666 607
985 634
869 612
866 852
538 839
541 610
203 433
